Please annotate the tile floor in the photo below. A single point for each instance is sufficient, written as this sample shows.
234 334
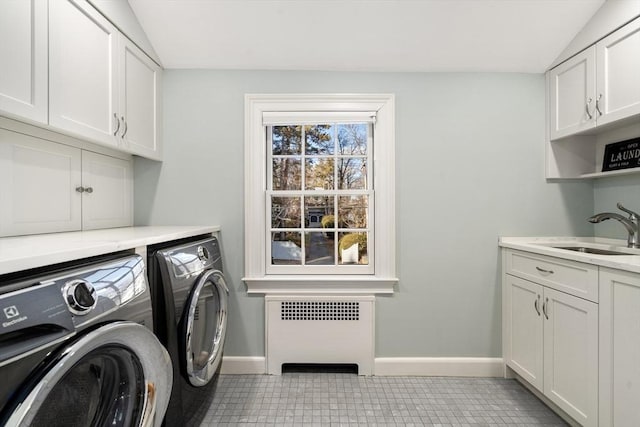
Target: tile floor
339 399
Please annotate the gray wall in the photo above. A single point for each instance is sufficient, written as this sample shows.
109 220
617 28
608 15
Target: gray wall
470 168
609 191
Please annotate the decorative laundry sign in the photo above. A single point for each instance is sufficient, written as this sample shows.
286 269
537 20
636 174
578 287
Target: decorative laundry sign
621 155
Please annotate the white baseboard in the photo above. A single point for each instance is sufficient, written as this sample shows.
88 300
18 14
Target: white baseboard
243 365
439 366
392 366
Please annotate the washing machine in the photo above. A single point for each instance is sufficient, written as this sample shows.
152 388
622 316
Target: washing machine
190 313
77 347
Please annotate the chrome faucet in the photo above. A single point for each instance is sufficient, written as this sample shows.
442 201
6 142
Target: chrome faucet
631 223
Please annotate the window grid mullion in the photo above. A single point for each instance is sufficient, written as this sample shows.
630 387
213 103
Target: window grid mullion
303 186
303 243
335 193
335 228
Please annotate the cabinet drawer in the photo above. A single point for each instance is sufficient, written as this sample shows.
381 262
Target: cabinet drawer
575 278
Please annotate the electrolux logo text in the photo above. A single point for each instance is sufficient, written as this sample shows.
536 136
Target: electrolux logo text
12 312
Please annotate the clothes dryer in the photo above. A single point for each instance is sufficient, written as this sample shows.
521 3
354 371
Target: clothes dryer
190 312
77 348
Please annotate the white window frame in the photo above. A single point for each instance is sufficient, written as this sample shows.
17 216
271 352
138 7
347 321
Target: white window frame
257 278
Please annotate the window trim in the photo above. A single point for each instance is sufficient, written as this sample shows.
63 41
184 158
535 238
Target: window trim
256 278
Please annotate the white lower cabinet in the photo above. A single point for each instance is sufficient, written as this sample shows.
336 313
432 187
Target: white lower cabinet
551 341
524 328
571 355
107 197
37 181
619 348
48 187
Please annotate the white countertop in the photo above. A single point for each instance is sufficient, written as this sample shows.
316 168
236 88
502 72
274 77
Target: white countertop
545 246
25 252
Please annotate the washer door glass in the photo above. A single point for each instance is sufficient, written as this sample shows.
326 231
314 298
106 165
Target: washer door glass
116 375
105 388
205 327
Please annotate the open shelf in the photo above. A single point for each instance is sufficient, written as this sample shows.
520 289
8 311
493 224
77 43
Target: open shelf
581 156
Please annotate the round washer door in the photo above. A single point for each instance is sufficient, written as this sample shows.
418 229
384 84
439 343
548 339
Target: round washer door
115 375
205 327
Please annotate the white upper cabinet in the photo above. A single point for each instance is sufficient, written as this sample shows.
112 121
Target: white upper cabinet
573 95
82 72
597 86
618 74
23 74
593 99
140 102
101 87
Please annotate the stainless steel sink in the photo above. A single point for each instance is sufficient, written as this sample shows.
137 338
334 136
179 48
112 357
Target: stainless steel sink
594 251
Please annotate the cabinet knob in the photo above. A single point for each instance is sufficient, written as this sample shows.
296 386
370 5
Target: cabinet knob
84 189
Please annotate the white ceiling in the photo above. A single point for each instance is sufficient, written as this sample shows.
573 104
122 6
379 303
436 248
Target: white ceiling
366 35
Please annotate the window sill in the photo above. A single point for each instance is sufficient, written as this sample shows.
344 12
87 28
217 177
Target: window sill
298 284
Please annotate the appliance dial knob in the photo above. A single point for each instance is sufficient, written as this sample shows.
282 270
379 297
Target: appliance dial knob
203 254
80 295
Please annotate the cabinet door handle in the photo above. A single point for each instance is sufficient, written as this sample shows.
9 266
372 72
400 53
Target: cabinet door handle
598 105
536 305
544 308
115 132
586 108
88 190
80 189
126 127
542 270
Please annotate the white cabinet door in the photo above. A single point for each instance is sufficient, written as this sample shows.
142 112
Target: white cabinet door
524 329
38 179
23 49
82 71
571 355
618 74
619 348
572 93
108 197
140 102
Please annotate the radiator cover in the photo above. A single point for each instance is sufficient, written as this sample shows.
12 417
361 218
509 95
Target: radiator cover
319 329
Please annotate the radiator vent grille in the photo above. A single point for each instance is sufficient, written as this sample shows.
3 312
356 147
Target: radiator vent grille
320 310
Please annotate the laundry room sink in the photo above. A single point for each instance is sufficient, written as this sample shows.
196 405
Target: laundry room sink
588 250
599 249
